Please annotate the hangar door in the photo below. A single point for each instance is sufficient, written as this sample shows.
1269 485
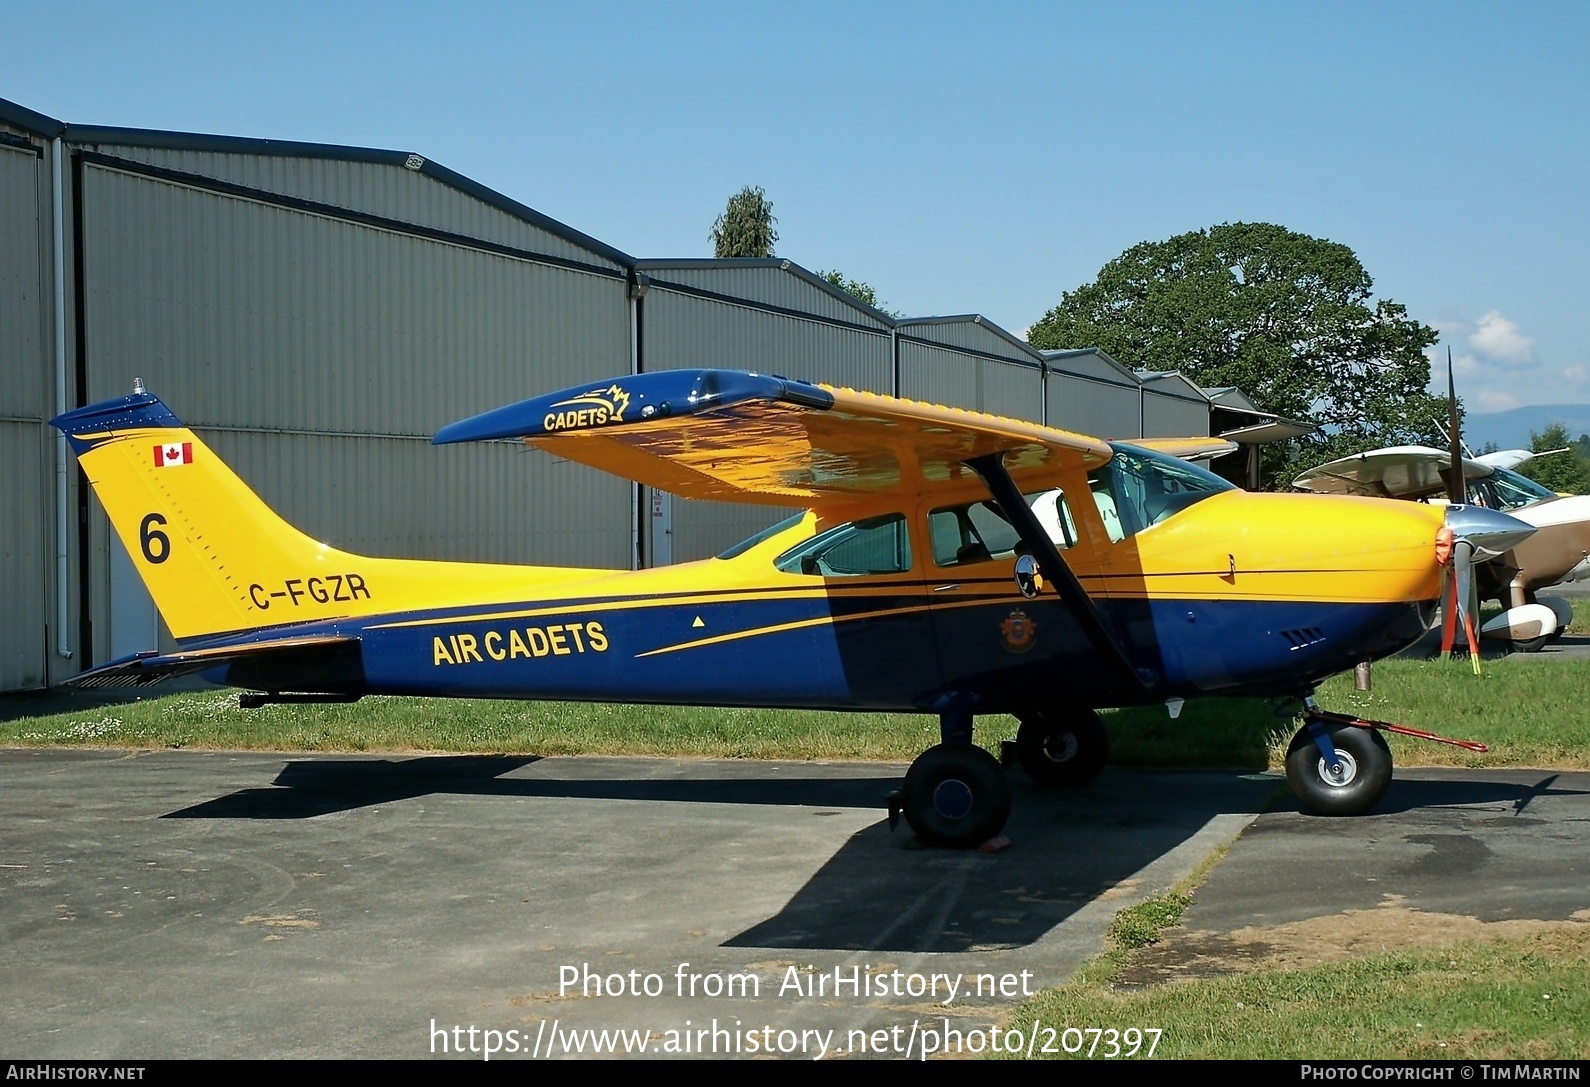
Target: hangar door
25 521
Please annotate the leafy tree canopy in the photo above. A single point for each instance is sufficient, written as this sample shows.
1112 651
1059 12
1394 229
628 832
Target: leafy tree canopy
1565 473
857 288
745 229
1286 317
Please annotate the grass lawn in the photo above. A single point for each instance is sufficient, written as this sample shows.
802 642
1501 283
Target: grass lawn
1508 997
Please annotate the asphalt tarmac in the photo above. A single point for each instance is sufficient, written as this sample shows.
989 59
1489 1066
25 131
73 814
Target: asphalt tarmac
194 904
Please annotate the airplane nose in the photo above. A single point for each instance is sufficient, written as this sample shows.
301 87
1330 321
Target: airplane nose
1490 532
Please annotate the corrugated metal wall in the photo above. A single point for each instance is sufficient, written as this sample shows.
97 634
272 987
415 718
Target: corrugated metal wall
389 191
837 345
25 513
939 375
1088 394
1174 408
318 354
965 362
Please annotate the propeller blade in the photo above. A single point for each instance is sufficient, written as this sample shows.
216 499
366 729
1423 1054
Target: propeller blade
1465 599
1457 487
1448 610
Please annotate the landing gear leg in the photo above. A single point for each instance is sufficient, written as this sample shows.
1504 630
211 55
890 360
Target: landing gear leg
955 794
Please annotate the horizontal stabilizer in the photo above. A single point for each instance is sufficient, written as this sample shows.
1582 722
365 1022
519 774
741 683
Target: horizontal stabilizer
151 667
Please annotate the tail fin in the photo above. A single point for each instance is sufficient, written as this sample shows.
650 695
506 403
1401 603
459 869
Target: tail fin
213 555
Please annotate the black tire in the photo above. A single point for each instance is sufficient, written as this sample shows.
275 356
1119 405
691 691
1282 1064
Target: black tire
1365 775
1534 645
1062 748
956 795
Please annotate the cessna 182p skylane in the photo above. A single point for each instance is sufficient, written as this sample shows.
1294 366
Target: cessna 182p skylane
938 560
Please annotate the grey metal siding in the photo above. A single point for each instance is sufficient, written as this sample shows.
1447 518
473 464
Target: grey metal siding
939 375
269 317
1092 407
971 332
26 511
704 529
1173 417
260 319
24 540
373 188
773 285
26 388
1011 390
683 330
401 497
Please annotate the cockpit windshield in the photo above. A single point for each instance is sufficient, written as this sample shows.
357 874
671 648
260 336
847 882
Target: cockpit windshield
1140 488
1505 490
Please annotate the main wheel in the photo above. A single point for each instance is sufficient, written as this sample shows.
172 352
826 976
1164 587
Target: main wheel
1360 778
1066 748
956 795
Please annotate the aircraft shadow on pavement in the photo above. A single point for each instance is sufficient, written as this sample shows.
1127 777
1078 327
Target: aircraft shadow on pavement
1068 849
318 787
875 893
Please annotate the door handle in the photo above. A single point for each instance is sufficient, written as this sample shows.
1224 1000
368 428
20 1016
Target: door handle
947 588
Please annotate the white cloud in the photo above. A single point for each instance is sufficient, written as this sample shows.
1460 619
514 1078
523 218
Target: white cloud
1498 339
1462 366
1494 400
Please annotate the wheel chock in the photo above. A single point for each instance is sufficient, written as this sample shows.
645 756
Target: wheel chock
896 802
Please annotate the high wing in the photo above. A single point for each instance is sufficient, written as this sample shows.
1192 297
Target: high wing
733 436
1403 471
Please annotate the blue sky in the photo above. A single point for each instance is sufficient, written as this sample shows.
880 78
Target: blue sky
957 157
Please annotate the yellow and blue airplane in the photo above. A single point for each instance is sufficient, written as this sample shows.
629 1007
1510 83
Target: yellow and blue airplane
935 560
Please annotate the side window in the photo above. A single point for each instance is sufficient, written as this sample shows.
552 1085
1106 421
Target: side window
878 545
977 532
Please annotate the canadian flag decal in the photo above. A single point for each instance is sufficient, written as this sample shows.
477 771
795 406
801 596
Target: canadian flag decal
167 456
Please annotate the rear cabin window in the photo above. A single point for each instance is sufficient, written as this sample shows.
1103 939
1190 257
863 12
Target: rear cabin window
978 532
877 545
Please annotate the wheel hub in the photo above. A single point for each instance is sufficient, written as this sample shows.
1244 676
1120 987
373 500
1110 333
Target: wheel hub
1340 775
952 798
1061 746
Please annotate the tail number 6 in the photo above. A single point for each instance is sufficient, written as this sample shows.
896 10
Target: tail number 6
156 544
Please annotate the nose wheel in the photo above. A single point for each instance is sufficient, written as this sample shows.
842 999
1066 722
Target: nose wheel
1338 769
954 795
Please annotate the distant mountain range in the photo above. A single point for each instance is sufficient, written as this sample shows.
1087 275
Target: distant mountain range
1511 429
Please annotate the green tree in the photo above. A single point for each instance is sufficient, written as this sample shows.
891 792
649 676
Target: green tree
1286 317
856 287
1565 473
745 229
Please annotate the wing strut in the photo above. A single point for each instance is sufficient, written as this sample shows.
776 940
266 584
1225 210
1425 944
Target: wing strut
1007 496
